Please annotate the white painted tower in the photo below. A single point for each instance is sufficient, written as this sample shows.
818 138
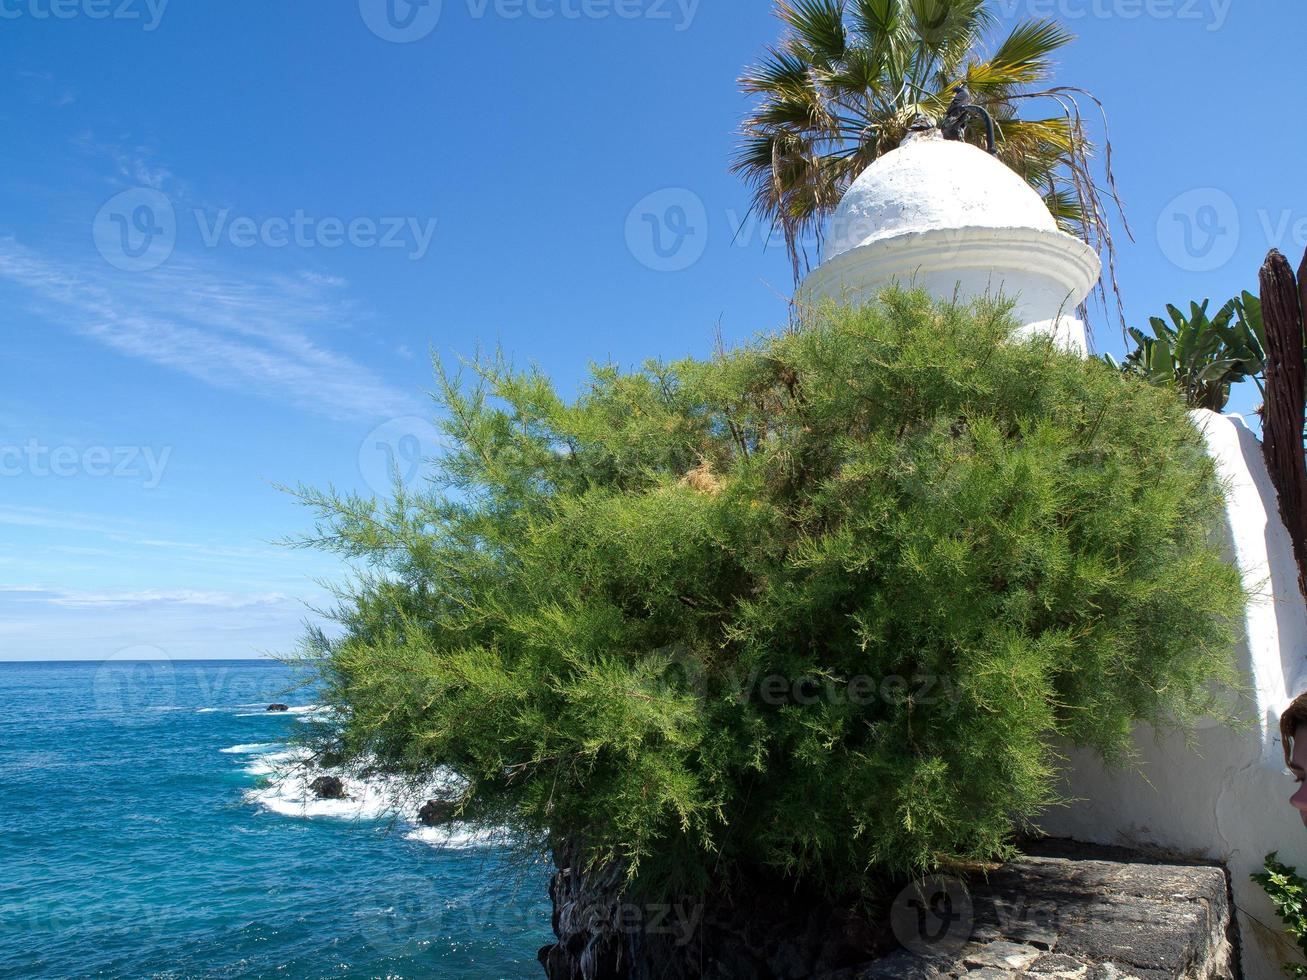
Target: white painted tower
952 219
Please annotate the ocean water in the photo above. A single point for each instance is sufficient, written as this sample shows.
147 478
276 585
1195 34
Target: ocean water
149 828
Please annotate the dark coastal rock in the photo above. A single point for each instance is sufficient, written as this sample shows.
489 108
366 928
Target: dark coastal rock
278 707
743 933
1061 911
328 788
437 813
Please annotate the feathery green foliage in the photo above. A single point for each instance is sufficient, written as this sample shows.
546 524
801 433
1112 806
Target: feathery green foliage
1288 893
825 603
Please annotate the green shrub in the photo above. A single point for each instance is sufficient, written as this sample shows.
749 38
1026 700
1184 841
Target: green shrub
1288 893
1202 357
825 604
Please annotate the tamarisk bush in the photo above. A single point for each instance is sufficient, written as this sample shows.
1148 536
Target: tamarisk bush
826 604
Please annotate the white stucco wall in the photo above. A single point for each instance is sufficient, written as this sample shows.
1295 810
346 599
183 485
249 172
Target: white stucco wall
1044 274
1226 796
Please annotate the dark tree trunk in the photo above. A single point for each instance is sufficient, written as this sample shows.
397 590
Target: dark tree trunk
1282 424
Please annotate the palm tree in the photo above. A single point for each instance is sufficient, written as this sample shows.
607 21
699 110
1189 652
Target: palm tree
848 79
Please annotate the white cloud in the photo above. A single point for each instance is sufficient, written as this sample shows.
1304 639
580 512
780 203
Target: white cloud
242 333
133 163
80 599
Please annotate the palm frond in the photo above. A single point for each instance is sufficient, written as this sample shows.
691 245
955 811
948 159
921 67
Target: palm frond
817 26
847 78
1024 55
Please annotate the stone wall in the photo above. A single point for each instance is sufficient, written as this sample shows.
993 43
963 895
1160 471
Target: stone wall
1062 911
1082 914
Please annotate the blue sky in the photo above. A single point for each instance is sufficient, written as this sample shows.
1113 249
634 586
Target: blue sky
231 232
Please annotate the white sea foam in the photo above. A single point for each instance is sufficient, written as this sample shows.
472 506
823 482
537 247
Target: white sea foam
250 749
287 791
277 765
459 836
301 712
262 707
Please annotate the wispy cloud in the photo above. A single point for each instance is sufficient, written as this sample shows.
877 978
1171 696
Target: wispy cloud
44 89
80 599
135 164
242 333
75 553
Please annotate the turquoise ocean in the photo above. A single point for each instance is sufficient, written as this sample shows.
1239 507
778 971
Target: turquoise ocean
149 828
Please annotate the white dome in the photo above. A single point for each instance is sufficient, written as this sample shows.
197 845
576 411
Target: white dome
929 184
951 219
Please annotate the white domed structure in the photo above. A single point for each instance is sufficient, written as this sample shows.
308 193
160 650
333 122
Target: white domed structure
950 218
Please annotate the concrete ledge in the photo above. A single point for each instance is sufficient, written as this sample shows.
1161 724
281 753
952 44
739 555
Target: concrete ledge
1079 913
